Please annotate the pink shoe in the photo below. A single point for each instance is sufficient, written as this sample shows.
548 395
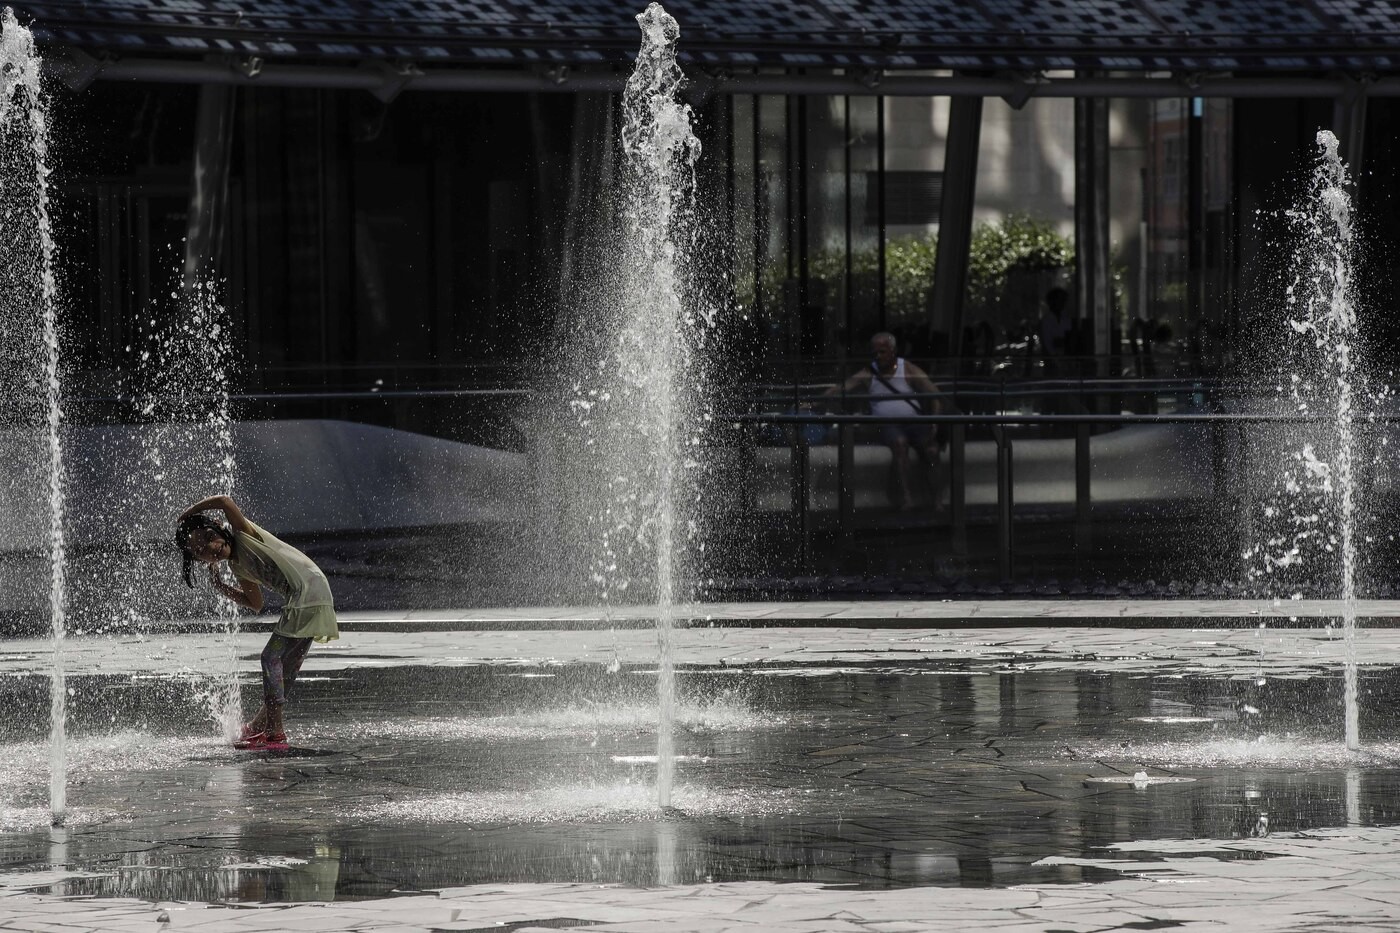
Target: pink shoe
263 742
248 732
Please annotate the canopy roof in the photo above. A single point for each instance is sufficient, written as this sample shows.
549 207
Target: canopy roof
1258 37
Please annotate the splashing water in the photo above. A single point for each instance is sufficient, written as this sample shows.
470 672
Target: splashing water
29 340
1286 752
661 152
641 405
717 713
188 395
1322 316
590 802
176 382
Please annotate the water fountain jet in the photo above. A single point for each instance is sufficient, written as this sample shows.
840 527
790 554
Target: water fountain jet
1322 298
1307 529
179 383
640 401
29 338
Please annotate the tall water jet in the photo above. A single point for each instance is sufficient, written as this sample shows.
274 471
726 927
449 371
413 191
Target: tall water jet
1308 527
661 152
30 402
1328 313
641 400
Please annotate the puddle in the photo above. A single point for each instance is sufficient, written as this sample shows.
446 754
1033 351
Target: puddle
442 775
1140 779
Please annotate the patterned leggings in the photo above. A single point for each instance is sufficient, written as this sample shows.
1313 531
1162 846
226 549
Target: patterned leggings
281 661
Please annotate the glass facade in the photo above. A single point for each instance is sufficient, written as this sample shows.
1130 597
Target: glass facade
427 233
842 207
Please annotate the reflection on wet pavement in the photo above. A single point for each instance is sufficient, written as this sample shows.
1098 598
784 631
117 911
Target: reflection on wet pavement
970 771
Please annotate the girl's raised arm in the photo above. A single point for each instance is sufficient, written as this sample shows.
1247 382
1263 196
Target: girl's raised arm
247 594
223 504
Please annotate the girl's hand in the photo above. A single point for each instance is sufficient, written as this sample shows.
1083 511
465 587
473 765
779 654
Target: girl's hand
214 577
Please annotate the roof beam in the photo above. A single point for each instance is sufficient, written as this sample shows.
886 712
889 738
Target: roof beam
78 68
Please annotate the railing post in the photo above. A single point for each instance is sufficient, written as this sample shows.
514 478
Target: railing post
957 486
799 495
846 479
1083 504
1240 500
748 442
1219 461
1005 543
553 498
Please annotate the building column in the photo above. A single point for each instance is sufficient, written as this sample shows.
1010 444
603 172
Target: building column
1091 219
1349 125
1195 223
590 170
955 220
208 211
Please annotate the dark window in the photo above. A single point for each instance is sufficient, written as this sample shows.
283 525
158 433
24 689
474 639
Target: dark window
910 197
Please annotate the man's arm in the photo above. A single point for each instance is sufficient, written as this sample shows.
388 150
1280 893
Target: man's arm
854 381
921 382
223 504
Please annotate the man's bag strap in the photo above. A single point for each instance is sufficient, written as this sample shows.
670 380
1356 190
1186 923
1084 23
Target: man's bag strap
904 396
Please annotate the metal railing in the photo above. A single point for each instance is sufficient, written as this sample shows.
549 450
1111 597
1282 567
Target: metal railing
1083 425
999 426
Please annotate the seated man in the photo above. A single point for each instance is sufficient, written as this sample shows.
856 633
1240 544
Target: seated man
893 381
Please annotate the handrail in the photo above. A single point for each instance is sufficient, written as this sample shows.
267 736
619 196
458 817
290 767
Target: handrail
957 440
1084 386
321 396
1024 390
1086 418
790 393
1184 382
803 417
374 393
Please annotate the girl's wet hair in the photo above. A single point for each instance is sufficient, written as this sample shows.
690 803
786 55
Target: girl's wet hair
188 526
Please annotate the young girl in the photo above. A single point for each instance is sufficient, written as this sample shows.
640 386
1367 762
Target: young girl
259 560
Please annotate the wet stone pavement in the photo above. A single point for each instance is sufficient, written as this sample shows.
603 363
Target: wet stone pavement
1051 778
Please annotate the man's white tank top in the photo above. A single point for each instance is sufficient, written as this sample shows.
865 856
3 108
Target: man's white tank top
898 385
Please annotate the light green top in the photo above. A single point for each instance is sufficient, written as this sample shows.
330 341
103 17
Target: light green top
266 560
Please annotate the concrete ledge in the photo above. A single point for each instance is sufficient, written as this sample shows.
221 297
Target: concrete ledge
873 614
965 610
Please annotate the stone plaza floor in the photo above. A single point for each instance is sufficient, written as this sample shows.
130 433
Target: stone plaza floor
1047 766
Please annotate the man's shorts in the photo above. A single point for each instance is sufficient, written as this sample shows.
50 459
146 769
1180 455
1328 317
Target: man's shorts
918 436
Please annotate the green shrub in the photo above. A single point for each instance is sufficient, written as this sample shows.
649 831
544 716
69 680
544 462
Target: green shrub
1017 244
